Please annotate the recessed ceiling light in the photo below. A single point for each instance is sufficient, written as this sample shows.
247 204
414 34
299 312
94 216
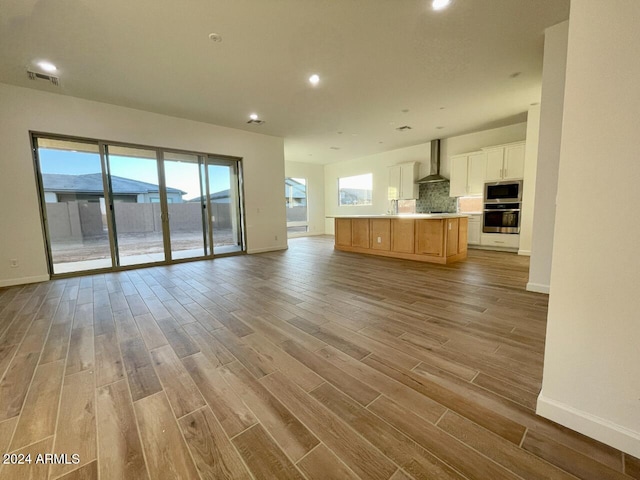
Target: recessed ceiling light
314 79
440 4
215 37
253 119
47 66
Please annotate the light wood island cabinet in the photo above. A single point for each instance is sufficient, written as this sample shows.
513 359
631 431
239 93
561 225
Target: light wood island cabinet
381 234
343 232
429 237
360 233
403 235
426 238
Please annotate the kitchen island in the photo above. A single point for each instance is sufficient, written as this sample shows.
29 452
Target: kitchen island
435 238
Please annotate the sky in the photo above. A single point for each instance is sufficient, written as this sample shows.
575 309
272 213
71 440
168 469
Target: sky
180 175
362 182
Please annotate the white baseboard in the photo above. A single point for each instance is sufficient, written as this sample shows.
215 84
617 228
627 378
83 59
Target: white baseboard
24 280
538 287
526 253
601 429
301 235
267 249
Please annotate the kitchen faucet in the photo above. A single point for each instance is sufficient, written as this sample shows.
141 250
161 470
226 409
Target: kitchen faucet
394 207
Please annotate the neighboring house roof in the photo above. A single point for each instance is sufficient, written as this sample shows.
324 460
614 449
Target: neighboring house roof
217 197
355 195
299 190
92 183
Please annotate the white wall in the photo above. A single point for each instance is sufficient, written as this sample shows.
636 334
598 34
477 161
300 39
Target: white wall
529 180
551 111
26 109
315 192
378 165
591 377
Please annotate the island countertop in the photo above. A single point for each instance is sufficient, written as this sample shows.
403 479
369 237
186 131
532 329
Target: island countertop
404 215
425 237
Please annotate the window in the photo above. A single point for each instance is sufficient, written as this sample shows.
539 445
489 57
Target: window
295 197
356 190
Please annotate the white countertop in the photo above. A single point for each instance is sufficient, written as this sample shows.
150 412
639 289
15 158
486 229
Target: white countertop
405 215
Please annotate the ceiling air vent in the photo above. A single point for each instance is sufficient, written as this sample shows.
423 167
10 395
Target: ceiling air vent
256 122
403 128
43 76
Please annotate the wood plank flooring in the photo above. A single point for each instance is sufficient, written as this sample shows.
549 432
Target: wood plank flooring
304 364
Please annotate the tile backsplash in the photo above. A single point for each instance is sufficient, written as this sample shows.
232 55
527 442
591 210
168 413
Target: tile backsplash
434 197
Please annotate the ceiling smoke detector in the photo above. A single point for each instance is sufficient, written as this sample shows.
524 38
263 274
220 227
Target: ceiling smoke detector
43 76
404 128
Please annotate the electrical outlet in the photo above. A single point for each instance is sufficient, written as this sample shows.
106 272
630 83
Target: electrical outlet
379 239
14 263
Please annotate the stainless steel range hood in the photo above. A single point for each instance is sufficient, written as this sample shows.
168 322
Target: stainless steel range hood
434 175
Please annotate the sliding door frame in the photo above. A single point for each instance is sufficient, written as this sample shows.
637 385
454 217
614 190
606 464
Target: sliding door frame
108 191
238 189
111 222
42 203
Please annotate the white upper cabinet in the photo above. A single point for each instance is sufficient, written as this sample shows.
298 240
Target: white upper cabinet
505 162
467 174
476 172
402 181
495 164
458 180
514 162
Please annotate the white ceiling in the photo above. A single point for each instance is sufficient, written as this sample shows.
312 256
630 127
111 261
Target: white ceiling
376 58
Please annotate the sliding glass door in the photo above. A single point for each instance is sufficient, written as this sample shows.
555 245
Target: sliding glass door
225 205
73 205
186 205
109 206
138 215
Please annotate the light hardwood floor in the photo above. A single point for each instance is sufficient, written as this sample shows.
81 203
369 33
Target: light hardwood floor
307 363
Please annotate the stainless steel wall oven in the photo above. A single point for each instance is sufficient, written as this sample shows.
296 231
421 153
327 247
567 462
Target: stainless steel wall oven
501 218
502 205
